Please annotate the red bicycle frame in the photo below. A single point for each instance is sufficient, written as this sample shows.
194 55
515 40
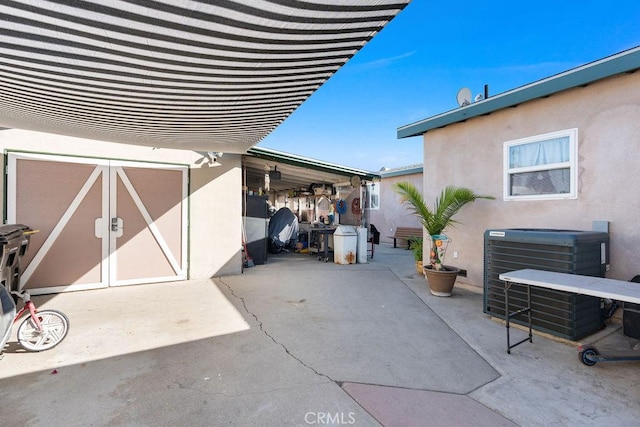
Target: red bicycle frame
28 305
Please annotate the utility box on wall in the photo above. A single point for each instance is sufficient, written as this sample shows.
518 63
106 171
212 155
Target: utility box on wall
559 313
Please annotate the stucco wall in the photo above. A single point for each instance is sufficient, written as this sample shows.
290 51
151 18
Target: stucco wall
216 219
392 213
470 154
215 203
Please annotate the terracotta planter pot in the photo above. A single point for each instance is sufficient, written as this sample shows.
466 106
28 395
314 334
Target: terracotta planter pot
419 267
441 281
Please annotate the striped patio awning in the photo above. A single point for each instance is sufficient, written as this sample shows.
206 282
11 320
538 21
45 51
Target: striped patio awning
215 75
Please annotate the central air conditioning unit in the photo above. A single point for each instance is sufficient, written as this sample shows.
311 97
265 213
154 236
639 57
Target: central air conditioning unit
564 314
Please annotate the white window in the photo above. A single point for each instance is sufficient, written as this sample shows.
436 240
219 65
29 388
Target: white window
542 167
373 196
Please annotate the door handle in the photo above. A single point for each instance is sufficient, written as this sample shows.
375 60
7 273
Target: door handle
117 225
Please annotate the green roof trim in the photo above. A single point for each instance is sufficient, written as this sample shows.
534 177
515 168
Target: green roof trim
406 170
623 62
319 165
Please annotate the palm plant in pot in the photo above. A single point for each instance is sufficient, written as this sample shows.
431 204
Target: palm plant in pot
415 244
440 277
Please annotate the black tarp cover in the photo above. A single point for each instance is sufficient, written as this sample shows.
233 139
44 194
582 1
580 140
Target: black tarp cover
283 230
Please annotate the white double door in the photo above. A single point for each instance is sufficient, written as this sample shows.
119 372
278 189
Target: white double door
101 222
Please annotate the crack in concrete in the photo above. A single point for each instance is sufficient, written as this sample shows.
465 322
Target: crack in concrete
264 331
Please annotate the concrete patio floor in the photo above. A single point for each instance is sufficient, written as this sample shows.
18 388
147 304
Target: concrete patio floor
302 342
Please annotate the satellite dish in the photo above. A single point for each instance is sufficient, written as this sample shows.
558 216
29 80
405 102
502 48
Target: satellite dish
464 97
355 181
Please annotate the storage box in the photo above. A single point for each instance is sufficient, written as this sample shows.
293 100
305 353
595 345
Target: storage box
322 191
631 320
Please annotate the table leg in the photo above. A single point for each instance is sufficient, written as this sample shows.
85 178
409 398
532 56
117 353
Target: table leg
508 315
326 247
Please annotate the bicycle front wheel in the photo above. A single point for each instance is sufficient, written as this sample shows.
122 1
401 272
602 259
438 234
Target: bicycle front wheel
55 326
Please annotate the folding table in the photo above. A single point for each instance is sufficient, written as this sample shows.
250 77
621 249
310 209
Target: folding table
619 290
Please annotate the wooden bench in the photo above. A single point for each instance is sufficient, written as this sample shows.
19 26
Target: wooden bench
406 233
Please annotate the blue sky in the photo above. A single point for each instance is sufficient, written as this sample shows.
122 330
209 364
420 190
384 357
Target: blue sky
415 66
